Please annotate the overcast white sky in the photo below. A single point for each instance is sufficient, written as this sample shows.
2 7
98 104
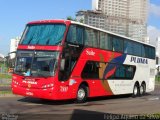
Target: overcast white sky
154 31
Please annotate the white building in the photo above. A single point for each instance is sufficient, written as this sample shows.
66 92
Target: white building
116 14
138 11
125 17
95 5
158 50
13 47
1 56
93 18
147 40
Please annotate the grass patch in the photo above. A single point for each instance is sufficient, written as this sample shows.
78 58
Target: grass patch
158 78
5 76
5 85
5 92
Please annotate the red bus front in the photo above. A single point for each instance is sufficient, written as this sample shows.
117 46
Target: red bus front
38 61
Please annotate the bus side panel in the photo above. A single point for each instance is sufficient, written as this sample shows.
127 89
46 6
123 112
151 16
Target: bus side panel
97 87
145 72
152 72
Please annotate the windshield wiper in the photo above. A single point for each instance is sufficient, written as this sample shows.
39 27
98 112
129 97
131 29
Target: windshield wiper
41 75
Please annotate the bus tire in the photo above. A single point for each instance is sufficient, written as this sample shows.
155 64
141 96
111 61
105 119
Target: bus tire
82 94
142 89
135 90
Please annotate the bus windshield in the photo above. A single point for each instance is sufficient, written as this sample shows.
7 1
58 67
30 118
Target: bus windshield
43 34
36 63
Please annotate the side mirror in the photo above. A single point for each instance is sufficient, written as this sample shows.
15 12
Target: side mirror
62 65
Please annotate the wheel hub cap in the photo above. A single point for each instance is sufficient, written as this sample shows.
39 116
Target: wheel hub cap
81 94
135 91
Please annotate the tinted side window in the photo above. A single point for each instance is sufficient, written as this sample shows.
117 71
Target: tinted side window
71 36
130 70
120 72
105 42
143 51
153 53
117 44
128 47
124 72
75 35
80 35
91 37
91 70
147 52
137 49
133 48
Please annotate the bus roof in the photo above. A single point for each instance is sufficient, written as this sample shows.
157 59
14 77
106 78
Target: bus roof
78 23
50 21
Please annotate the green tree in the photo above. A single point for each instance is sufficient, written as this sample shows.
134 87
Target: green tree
81 20
71 18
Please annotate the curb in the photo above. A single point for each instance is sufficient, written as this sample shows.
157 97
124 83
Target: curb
8 95
157 84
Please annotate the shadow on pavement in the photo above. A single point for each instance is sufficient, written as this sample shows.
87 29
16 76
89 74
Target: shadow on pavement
79 114
45 102
90 101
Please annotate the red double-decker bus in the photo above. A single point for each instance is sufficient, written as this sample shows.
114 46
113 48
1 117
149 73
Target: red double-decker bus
62 59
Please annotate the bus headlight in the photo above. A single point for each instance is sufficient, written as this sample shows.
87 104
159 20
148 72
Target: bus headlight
15 82
47 86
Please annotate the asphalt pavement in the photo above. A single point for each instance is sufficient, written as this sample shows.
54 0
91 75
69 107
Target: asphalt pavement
113 107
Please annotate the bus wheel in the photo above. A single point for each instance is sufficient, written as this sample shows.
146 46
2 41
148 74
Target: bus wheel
142 89
82 94
135 90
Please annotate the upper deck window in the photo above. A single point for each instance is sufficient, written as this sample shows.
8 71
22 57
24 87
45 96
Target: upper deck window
91 37
105 41
43 34
117 44
76 35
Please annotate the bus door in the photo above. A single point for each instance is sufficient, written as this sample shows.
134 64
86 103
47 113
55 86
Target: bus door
69 59
90 73
72 50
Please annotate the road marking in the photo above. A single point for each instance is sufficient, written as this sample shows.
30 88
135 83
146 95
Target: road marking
154 98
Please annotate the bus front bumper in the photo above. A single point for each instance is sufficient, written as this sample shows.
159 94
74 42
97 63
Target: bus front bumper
49 93
35 93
